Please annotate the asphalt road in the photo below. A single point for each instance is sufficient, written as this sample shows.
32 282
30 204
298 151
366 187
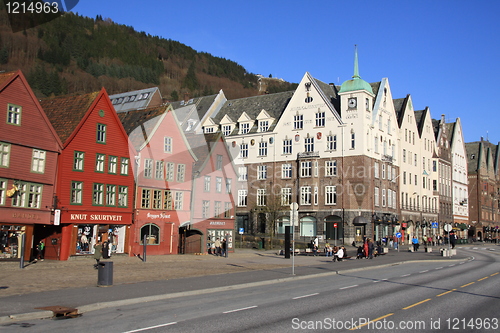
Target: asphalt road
417 297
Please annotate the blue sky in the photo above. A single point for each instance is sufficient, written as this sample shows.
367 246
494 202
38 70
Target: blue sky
444 53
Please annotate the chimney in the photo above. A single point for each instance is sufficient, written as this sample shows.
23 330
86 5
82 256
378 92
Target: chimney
186 97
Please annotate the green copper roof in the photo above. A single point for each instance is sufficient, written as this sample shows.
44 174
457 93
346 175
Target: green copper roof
356 83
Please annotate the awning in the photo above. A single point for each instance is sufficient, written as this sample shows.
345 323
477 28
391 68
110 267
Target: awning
360 220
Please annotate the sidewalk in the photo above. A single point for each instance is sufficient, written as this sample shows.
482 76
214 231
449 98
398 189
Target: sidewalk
73 283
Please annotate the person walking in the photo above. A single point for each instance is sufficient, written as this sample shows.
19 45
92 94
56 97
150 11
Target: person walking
217 247
39 250
97 254
371 248
224 248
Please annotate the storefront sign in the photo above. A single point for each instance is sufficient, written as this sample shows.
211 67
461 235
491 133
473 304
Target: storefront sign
95 217
217 223
158 216
26 216
57 216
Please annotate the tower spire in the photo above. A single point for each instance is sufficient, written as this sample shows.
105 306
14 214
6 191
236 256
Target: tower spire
356 68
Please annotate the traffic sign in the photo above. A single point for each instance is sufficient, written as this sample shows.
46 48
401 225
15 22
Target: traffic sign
241 231
398 235
335 225
447 227
435 225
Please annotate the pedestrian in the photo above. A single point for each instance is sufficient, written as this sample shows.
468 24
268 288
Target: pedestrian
360 254
97 254
105 250
328 249
453 239
414 241
371 248
217 247
39 250
209 246
224 248
365 247
340 254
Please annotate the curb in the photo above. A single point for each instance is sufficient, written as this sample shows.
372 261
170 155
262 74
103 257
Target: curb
103 305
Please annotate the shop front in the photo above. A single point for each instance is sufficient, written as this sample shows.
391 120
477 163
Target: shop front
16 226
82 230
158 231
213 229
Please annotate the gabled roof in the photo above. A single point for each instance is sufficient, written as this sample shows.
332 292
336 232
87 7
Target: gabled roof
140 124
66 113
133 100
7 77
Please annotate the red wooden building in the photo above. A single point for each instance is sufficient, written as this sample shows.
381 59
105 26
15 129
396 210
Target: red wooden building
163 168
95 180
29 149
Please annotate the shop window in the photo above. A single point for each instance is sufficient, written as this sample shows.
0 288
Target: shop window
152 234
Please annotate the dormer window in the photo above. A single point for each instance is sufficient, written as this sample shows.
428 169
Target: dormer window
263 125
209 129
244 128
227 129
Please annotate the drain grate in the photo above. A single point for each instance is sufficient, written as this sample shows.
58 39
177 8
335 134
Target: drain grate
61 312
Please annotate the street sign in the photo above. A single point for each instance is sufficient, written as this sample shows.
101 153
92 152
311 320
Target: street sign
241 231
335 225
398 235
435 225
447 227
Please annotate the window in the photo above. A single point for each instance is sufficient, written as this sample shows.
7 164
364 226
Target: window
205 208
148 168
3 190
98 194
206 186
219 162
434 166
170 171
159 170
227 209
227 129
404 177
306 169
242 198
229 185
167 144
157 202
375 170
263 148
298 121
309 144
209 129
263 125
330 195
217 208
330 168
286 171
181 172
261 197
124 166
353 140
14 114
112 163
110 195
383 198
331 142
101 133
375 145
145 198
376 197
305 195
179 196
320 119
218 184
286 196
4 155
244 128
287 146
76 193
261 172
383 171
244 150
242 173
151 233
122 196
38 161
99 162
404 155
168 200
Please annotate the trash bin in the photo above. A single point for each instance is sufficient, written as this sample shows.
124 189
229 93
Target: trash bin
105 273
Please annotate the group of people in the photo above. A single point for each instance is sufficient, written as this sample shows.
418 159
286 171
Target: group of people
101 250
337 252
369 249
217 248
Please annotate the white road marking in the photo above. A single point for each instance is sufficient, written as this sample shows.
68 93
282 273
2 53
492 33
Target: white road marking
405 275
236 310
424 271
439 268
349 287
306 296
151 327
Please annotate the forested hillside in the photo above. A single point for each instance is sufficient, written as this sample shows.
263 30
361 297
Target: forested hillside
74 54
